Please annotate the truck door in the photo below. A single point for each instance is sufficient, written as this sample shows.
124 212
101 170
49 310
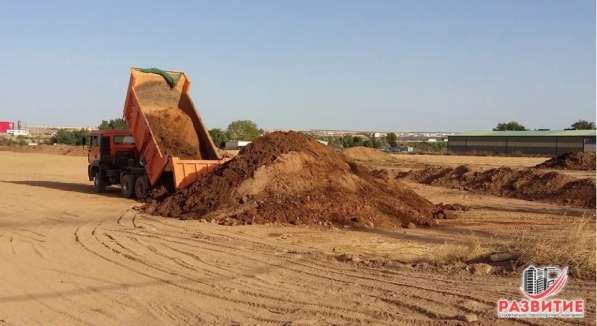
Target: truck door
105 149
93 152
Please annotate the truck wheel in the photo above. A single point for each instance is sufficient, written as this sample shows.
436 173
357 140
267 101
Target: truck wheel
141 187
127 186
99 182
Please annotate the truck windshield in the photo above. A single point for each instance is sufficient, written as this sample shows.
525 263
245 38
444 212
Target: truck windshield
124 140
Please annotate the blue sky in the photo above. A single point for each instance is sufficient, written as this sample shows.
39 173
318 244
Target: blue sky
383 65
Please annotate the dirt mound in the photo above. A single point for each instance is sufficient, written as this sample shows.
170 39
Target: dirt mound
287 177
528 184
365 153
571 161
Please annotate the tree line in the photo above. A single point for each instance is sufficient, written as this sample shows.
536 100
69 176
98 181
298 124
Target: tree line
77 136
516 126
237 130
248 130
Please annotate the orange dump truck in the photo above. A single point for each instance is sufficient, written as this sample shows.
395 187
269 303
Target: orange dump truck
166 142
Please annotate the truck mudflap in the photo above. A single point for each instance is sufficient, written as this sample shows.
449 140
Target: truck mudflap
186 172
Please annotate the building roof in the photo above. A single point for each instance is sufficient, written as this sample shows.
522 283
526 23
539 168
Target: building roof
529 133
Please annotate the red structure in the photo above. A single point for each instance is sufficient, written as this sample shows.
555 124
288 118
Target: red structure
6 125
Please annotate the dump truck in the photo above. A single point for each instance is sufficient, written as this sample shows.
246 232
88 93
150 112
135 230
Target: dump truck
166 144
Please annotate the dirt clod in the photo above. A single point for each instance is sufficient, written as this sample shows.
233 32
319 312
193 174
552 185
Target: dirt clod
470 318
288 177
501 256
348 258
452 207
481 269
571 161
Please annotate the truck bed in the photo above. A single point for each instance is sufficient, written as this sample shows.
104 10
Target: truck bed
169 133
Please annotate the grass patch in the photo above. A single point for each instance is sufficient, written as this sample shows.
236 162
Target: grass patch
469 249
573 246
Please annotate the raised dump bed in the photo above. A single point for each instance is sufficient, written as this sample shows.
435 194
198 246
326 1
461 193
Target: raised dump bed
168 131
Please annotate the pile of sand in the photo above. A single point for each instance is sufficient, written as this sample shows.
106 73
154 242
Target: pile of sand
365 153
172 127
528 184
291 178
174 132
571 161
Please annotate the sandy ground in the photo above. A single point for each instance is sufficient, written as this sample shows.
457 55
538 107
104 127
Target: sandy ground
57 149
70 256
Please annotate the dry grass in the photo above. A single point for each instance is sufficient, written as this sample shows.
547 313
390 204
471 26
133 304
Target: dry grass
469 249
573 246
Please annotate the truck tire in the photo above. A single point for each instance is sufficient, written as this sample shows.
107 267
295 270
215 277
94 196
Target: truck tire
141 187
99 182
127 185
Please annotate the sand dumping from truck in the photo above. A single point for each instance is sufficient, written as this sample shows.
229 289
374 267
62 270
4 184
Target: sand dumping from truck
365 154
571 161
174 132
172 127
288 177
528 184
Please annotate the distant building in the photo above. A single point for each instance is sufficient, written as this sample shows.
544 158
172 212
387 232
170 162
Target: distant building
5 126
399 149
18 132
236 144
323 142
551 142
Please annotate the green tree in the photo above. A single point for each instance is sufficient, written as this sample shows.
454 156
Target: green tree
583 125
358 141
70 136
392 139
243 130
117 123
512 125
218 136
347 141
375 142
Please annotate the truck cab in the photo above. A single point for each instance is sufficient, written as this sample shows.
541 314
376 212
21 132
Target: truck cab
113 159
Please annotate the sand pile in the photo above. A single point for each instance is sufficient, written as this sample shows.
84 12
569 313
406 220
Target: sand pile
291 178
172 127
571 161
174 132
528 184
365 153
